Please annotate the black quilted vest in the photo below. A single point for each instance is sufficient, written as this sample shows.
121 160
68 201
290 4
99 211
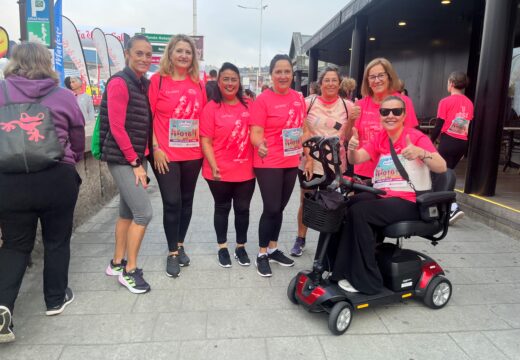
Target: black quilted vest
137 123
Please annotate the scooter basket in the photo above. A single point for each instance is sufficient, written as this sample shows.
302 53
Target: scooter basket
319 218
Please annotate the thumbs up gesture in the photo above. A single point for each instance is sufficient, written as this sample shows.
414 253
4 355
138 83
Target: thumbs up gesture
411 152
353 143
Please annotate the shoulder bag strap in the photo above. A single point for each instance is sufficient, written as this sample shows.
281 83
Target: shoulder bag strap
399 165
345 106
312 103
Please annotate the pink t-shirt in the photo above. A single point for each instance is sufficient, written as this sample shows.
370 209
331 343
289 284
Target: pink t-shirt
456 111
176 110
228 127
369 125
385 173
327 119
282 117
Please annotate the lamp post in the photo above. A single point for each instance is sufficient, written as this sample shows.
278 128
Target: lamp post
261 9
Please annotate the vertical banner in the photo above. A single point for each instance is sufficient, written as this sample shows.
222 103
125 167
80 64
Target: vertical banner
72 47
58 43
4 42
39 16
115 52
100 43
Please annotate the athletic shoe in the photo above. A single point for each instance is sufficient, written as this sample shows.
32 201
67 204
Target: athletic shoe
115 269
345 285
58 309
456 216
262 266
6 329
280 258
134 281
184 260
173 268
224 259
241 256
299 245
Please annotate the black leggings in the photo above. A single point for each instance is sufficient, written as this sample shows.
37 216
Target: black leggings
276 187
177 190
452 150
224 193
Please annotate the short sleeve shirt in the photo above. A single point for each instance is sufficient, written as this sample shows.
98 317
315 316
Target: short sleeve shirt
457 112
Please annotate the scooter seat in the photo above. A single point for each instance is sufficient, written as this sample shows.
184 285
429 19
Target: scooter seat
412 228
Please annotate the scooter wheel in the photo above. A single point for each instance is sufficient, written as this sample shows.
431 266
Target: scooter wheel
438 292
291 290
340 317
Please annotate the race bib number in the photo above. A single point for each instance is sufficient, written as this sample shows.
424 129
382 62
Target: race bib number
386 175
184 133
459 126
292 141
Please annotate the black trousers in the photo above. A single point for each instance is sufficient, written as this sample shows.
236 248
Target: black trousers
353 248
177 188
50 196
240 194
276 187
452 150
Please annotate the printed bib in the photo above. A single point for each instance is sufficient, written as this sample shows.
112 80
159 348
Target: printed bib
459 126
184 133
292 141
386 175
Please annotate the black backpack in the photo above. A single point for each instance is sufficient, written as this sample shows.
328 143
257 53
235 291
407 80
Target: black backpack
28 139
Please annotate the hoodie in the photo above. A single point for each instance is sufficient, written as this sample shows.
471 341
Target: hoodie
66 115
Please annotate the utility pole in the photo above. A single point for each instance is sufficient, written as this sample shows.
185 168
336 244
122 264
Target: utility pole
23 24
194 17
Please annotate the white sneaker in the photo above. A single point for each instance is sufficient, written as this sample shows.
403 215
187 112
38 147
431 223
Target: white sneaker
456 216
6 331
345 285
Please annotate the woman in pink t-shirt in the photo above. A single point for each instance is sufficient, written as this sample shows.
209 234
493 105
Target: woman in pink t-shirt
276 129
453 119
228 160
379 81
355 266
177 98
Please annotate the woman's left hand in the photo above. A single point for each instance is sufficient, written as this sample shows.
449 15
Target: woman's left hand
411 152
308 167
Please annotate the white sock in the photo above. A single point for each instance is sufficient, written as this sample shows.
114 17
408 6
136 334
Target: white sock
454 206
262 254
270 251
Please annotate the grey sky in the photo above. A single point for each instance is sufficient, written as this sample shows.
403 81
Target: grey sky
231 33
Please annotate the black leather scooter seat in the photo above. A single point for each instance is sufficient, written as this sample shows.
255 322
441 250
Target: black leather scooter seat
412 228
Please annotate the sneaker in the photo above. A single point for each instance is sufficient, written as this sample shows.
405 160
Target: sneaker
184 260
280 258
134 281
299 245
115 269
224 259
173 268
456 215
241 256
6 328
262 266
58 309
345 285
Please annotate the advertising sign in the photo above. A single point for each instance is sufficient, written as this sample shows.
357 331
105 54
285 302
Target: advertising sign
4 42
58 44
38 18
165 38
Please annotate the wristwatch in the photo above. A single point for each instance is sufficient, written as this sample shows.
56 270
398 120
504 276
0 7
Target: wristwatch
137 163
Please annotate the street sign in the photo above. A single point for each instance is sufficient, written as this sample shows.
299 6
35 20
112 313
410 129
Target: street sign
158 48
158 38
38 18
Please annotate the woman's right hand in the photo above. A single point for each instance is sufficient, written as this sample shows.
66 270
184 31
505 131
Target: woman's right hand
353 143
140 176
160 160
262 149
216 173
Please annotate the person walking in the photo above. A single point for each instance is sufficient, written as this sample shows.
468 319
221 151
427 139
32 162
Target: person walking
228 161
277 118
47 194
75 84
177 98
124 139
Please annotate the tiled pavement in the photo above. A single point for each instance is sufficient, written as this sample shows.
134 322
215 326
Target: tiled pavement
214 313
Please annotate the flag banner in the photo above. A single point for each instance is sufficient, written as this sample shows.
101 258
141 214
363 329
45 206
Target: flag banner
4 42
58 43
72 47
115 52
98 38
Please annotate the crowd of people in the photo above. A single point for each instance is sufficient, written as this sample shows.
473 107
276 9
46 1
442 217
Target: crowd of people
175 125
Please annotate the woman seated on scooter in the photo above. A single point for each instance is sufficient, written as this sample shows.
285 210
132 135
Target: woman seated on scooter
355 267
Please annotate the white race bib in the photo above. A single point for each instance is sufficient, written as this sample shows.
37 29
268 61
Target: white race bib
292 141
184 133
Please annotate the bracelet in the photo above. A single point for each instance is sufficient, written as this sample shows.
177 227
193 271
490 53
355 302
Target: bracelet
426 157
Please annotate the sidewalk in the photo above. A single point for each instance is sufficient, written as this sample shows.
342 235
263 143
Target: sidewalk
214 313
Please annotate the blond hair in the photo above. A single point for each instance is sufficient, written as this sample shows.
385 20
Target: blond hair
393 78
32 61
166 67
347 86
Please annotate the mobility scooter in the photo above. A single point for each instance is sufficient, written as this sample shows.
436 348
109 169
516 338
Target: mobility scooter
406 273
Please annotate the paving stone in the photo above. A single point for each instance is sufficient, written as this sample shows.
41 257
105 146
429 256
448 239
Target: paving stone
477 346
156 351
250 349
162 301
16 351
506 341
295 348
510 313
492 294
180 326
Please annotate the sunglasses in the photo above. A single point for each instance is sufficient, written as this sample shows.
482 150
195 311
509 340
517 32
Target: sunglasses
395 111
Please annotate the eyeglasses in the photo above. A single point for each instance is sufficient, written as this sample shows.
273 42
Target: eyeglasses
395 111
380 76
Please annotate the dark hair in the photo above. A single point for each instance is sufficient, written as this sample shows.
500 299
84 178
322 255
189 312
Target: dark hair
394 97
66 81
250 93
213 73
459 80
276 58
240 93
329 68
135 38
